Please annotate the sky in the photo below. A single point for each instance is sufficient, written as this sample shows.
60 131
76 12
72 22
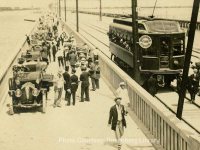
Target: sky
94 3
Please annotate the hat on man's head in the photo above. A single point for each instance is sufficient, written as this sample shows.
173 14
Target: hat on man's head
122 83
83 68
117 98
73 70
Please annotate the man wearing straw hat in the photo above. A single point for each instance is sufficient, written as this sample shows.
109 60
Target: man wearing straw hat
58 88
117 120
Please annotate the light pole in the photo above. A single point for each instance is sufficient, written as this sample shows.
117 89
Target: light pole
77 19
65 10
188 54
100 14
59 8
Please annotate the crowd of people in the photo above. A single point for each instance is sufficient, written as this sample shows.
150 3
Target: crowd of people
79 69
120 40
71 59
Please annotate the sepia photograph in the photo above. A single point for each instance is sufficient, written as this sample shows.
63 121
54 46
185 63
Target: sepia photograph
99 75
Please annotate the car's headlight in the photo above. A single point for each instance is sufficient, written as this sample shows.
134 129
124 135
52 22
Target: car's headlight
176 62
18 93
35 92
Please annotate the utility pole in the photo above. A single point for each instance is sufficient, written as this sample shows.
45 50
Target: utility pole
57 12
65 10
136 73
77 20
59 8
188 54
100 13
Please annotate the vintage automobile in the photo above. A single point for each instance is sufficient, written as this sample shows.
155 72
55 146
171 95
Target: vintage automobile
29 85
37 53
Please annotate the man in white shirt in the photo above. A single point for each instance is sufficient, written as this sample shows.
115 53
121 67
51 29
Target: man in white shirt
58 88
123 93
60 55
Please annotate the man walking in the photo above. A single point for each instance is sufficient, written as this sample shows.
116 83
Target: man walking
95 75
66 77
117 120
84 78
193 85
73 59
152 85
58 88
60 55
73 87
123 93
54 50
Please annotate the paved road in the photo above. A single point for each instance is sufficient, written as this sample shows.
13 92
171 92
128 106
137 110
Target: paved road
80 127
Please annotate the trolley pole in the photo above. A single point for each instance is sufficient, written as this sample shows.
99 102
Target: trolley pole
65 10
59 8
135 40
188 54
100 13
77 20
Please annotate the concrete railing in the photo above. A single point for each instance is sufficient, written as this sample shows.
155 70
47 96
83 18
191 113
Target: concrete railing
171 133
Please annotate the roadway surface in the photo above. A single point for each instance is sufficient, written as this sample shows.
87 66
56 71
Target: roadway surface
83 126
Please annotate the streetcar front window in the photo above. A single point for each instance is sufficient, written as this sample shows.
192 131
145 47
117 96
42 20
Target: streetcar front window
164 46
178 47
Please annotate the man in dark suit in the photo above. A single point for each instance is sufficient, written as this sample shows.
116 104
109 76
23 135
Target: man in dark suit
84 78
152 85
95 75
73 86
73 59
117 120
54 50
67 83
193 85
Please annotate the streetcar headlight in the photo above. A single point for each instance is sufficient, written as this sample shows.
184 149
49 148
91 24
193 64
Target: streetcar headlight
18 93
35 92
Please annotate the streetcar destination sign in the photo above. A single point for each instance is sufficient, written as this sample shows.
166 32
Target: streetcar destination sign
145 41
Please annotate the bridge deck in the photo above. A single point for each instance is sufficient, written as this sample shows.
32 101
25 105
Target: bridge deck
83 126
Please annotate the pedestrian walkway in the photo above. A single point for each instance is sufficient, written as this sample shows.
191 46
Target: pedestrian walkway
83 126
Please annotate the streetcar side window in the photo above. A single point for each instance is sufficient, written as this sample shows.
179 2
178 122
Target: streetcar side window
141 27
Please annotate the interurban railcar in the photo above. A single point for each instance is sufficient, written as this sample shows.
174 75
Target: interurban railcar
161 48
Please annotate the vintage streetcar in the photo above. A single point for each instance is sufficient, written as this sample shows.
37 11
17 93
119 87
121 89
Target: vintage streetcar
161 48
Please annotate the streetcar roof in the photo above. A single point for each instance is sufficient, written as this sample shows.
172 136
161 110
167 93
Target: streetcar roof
152 26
